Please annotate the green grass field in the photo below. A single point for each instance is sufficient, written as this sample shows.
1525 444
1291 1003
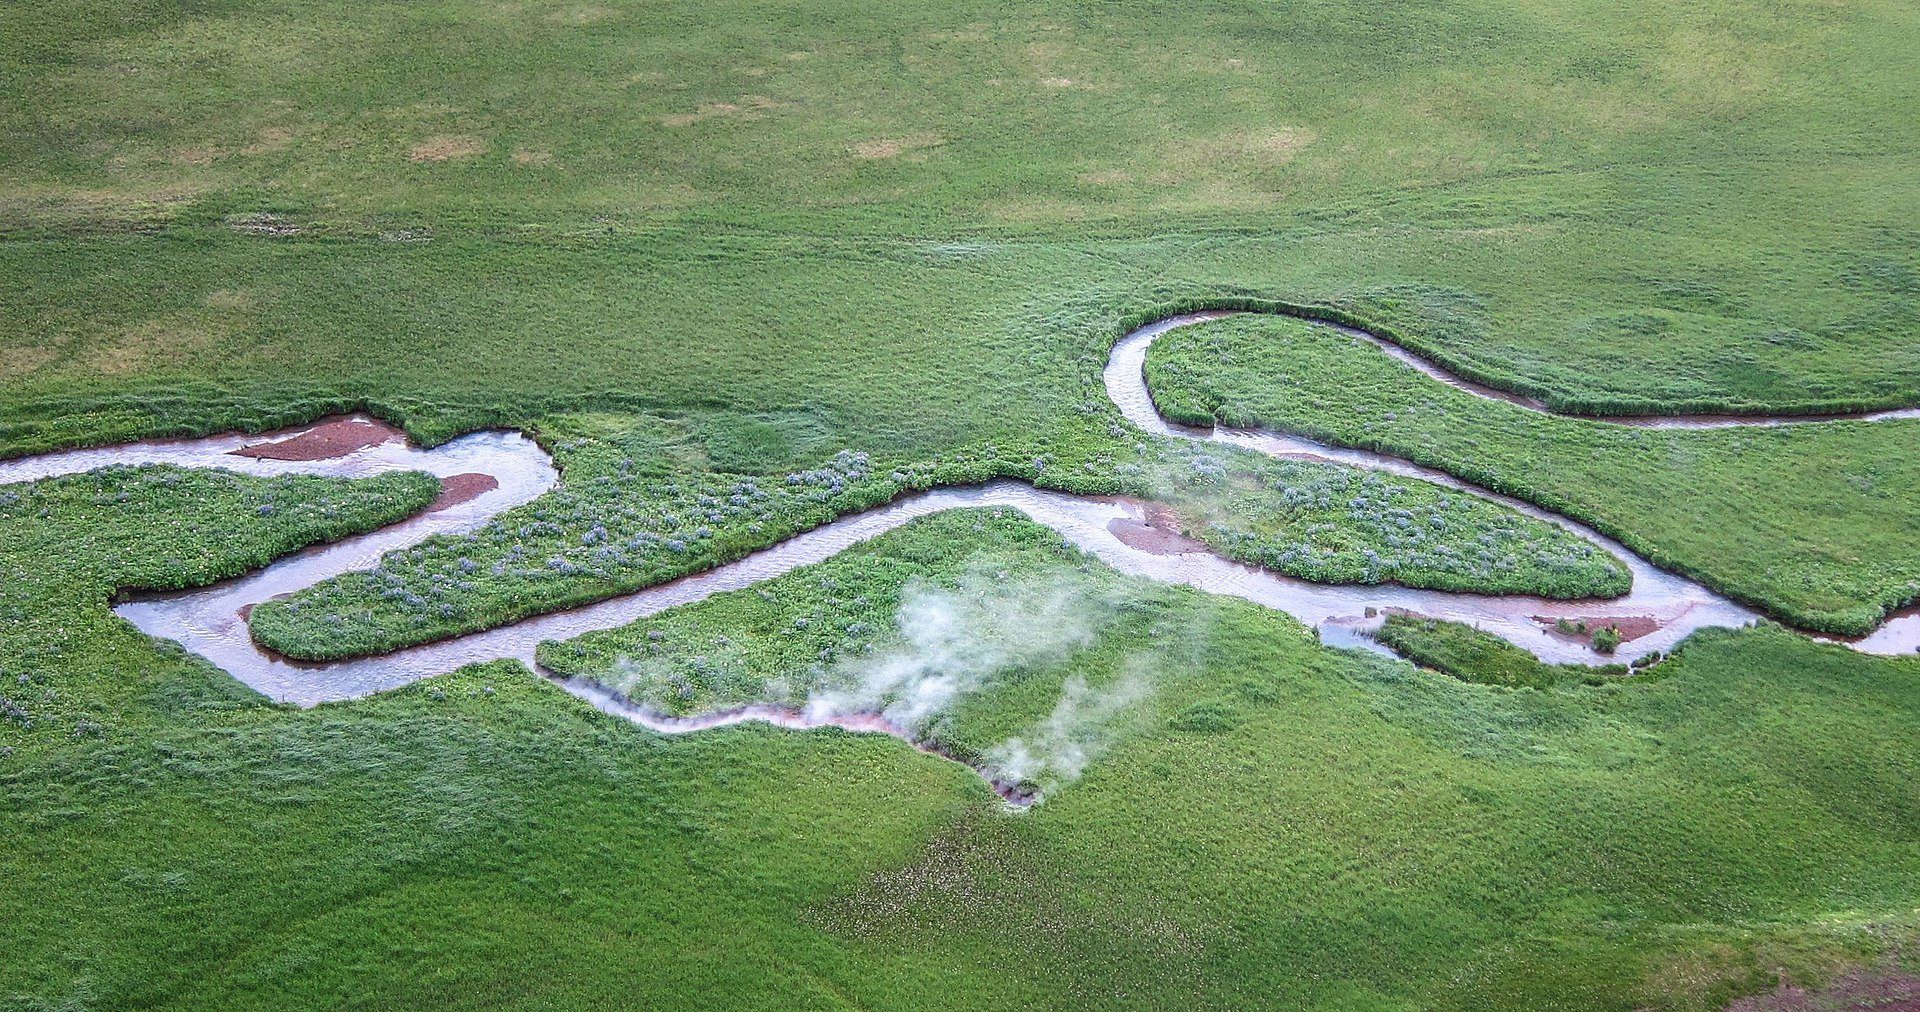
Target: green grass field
704 244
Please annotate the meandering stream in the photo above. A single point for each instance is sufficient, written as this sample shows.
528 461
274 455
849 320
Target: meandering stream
210 621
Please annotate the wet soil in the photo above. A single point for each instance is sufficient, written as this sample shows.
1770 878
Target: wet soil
329 440
1630 627
462 488
1155 530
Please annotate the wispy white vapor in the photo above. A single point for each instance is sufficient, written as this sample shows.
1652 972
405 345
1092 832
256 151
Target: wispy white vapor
957 640
1078 730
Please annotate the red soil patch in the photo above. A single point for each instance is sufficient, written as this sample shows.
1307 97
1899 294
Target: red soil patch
325 441
1158 534
462 488
1631 627
1882 992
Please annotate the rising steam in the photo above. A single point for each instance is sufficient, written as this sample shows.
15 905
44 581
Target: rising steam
959 641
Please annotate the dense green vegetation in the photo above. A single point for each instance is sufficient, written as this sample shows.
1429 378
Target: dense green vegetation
1468 654
69 544
641 504
993 574
1818 524
913 231
1272 818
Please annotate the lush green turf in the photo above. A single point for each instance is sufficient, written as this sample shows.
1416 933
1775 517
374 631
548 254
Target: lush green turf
1819 524
984 596
913 231
1272 822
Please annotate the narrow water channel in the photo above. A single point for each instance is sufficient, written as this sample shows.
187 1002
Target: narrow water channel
495 471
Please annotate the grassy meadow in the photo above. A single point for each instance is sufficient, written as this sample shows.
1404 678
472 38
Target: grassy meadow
1267 822
691 246
1818 524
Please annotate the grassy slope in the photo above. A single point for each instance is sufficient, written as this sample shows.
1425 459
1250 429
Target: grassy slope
1276 822
1816 523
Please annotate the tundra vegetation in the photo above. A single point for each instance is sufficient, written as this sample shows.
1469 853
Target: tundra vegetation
913 231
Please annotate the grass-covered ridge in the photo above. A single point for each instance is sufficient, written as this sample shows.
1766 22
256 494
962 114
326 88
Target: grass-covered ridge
1273 818
642 503
1815 523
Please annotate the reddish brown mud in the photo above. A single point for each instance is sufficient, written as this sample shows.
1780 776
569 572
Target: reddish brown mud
329 440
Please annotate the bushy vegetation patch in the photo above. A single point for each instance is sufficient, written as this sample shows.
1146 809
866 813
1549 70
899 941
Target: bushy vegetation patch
641 505
1833 548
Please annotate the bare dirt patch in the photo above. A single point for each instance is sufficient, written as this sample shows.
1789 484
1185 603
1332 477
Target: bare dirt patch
1886 991
530 156
461 488
1631 627
447 148
1156 533
335 437
748 107
893 147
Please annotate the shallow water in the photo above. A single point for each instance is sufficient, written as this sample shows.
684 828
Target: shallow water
210 621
